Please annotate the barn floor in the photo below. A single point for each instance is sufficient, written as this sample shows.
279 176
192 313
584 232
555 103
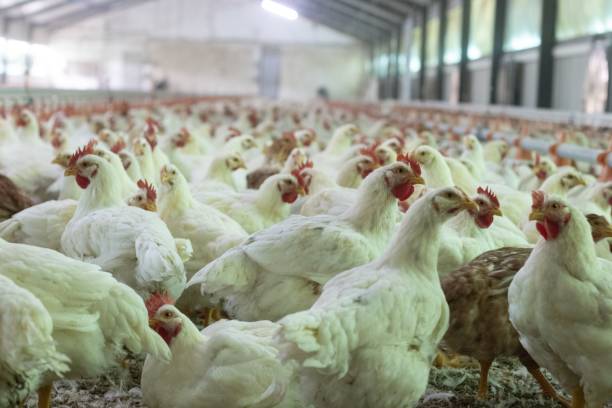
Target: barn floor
510 386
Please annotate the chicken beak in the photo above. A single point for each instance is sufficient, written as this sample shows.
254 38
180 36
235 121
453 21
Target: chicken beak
150 206
536 215
57 160
165 176
581 181
241 165
300 190
469 205
496 211
153 323
416 179
71 171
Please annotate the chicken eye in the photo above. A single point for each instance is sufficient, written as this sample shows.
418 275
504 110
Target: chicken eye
555 206
173 172
168 314
422 153
450 195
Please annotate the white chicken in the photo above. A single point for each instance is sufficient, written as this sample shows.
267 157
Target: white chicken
565 290
257 209
133 244
94 316
467 235
300 254
345 360
27 348
229 364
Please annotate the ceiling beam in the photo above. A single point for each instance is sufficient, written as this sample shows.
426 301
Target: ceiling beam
52 7
376 11
397 5
351 13
10 7
306 6
337 26
80 15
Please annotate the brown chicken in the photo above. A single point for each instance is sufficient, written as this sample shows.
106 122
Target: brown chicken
477 296
12 199
256 177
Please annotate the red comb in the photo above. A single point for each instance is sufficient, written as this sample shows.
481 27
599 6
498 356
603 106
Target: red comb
118 146
233 132
297 173
489 193
370 151
83 151
414 165
537 198
290 135
150 133
155 301
151 193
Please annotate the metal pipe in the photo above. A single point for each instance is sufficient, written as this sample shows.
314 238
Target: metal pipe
565 150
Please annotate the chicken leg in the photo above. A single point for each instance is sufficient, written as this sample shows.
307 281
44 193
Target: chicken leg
485 366
44 396
547 389
212 314
578 398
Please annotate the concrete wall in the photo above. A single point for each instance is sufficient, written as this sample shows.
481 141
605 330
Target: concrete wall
209 46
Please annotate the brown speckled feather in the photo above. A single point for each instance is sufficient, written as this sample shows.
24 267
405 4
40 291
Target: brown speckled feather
12 199
477 297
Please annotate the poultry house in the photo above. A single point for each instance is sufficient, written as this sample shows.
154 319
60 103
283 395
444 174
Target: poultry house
344 362
318 244
563 266
279 260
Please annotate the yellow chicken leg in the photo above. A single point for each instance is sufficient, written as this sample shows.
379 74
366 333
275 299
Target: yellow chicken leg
578 398
44 396
545 386
485 366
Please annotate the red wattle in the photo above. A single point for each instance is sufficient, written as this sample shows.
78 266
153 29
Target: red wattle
548 229
484 221
552 228
290 197
403 191
542 230
82 181
541 175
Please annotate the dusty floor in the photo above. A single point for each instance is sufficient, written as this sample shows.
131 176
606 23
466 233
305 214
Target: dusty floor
510 386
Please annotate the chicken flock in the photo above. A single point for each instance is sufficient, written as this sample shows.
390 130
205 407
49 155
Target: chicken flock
332 253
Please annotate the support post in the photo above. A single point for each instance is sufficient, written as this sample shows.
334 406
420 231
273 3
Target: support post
441 50
464 78
423 53
499 28
546 62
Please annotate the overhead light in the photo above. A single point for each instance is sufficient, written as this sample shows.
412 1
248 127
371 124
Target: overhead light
279 9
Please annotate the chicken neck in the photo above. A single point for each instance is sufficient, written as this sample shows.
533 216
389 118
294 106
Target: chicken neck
102 192
417 241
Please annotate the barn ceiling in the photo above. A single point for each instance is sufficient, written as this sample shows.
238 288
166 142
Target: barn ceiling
366 20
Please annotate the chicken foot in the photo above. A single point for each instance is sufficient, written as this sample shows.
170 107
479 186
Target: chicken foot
212 314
